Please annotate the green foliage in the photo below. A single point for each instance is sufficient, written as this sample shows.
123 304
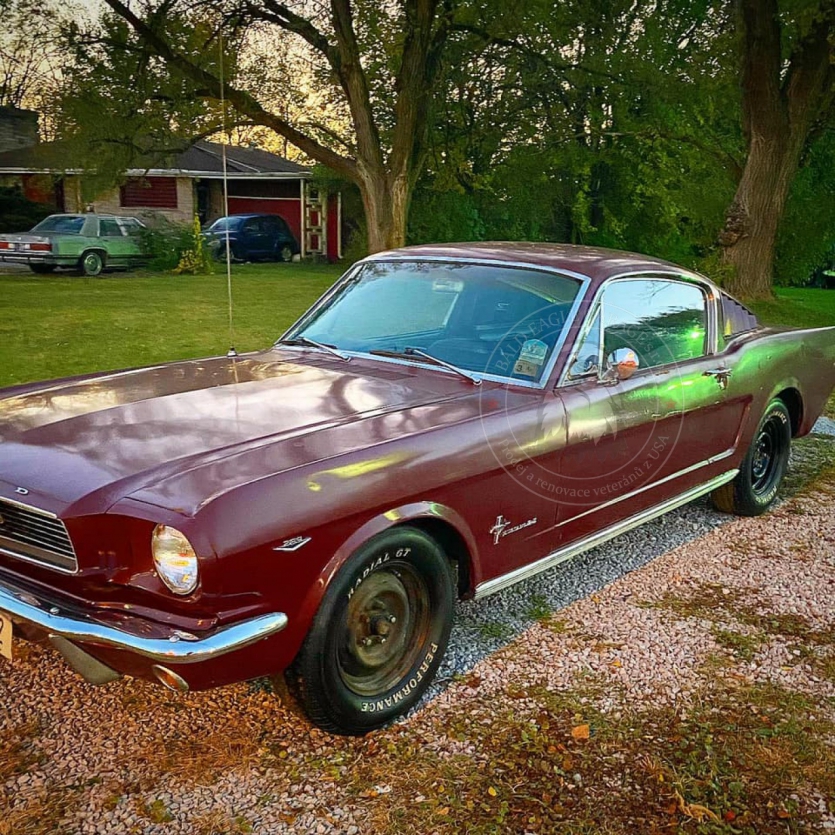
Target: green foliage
122 110
165 244
444 216
613 125
196 259
17 214
807 234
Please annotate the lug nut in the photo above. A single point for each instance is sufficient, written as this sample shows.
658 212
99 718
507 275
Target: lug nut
392 619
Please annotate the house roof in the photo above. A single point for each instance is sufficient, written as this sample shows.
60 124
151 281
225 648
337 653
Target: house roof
203 159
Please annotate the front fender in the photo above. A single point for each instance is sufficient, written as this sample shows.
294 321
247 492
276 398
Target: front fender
376 525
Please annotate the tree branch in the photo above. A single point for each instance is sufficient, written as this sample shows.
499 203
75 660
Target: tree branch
242 101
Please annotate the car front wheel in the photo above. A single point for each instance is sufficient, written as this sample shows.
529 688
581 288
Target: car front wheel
285 253
761 472
92 263
379 635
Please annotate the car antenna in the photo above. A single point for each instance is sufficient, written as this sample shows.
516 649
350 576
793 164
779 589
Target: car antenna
231 353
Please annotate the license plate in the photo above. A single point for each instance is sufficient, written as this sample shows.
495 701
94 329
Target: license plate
5 637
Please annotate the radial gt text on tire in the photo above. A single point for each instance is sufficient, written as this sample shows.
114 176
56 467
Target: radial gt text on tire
380 633
91 263
755 486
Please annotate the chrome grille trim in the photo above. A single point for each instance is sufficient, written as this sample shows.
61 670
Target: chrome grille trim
37 536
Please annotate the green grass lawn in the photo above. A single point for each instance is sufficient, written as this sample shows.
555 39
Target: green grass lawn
53 326
798 307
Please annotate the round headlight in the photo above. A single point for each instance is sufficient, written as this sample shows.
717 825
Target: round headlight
175 560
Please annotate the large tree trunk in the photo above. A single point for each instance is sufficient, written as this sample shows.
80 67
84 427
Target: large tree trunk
386 201
781 105
750 233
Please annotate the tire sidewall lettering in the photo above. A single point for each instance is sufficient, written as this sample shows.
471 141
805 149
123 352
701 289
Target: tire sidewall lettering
401 694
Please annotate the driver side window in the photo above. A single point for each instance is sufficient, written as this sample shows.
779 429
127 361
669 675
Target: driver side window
658 321
662 321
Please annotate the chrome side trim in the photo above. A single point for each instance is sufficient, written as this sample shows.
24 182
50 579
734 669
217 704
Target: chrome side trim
175 649
589 542
678 474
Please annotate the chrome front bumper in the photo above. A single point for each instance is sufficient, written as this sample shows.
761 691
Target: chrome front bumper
179 648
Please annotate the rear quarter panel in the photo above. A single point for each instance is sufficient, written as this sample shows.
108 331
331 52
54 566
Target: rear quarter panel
769 362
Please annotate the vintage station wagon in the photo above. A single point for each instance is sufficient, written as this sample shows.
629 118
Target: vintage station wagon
88 243
444 422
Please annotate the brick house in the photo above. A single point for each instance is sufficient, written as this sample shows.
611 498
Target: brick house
188 183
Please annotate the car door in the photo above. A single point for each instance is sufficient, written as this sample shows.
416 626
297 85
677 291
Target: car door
117 245
254 238
635 441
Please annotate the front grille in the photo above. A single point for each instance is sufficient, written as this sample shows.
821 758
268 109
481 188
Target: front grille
35 535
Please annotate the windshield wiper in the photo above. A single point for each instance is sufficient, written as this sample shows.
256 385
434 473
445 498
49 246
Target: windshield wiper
417 352
312 343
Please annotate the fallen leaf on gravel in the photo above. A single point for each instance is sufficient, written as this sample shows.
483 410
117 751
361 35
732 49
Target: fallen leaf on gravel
695 810
492 792
580 731
783 814
443 811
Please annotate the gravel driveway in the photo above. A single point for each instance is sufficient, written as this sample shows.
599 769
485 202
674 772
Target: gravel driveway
132 757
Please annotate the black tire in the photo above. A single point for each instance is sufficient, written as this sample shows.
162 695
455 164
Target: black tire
285 253
220 254
756 485
91 263
42 269
398 590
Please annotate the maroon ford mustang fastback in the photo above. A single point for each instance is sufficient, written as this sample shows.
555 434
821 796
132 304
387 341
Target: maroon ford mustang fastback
444 422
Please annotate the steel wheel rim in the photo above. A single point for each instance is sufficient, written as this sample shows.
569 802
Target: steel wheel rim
765 462
92 263
385 629
285 253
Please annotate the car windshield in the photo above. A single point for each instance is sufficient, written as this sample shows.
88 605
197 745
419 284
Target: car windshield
224 223
483 318
64 224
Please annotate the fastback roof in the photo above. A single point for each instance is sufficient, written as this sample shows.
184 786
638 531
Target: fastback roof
593 262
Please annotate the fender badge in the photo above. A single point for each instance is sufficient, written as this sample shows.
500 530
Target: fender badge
501 529
22 491
293 544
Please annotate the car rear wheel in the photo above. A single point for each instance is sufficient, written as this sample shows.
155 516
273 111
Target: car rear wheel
285 253
91 263
42 269
379 635
761 472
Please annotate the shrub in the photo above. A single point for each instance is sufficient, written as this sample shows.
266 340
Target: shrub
195 260
165 244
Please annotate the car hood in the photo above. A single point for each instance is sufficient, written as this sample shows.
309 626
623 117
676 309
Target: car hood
78 446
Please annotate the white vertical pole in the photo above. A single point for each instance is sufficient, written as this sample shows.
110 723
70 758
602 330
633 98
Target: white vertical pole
303 212
339 225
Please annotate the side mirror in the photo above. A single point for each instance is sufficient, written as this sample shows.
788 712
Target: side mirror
622 363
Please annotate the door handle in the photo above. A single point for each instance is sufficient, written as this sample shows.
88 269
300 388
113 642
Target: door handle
720 375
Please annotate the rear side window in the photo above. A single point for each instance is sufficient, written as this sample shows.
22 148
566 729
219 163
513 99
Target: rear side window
737 317
109 228
662 321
